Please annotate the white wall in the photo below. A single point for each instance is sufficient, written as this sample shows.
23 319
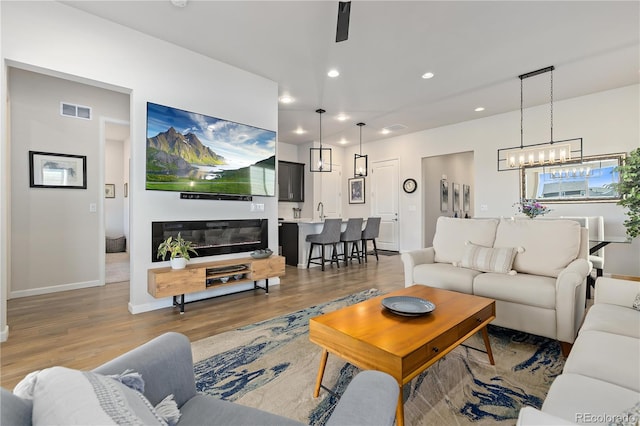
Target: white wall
608 121
106 54
289 152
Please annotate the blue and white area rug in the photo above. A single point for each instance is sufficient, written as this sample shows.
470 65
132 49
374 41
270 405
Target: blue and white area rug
272 366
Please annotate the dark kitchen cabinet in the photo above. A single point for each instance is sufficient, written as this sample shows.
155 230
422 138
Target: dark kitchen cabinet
288 233
290 181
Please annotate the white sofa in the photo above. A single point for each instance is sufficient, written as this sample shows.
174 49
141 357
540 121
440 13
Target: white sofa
600 383
595 228
542 293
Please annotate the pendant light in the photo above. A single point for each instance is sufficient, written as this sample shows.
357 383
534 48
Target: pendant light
540 154
320 158
360 162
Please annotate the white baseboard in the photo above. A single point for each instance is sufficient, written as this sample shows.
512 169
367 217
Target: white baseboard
146 307
53 289
4 334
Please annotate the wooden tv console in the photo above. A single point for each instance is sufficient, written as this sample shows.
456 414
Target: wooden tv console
165 282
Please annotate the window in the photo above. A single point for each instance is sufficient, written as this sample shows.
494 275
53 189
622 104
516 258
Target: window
593 179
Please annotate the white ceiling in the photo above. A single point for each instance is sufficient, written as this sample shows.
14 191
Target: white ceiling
476 49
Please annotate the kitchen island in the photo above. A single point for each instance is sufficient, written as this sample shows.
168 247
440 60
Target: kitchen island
304 227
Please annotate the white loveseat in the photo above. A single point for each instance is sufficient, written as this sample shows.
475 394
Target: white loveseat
600 383
542 292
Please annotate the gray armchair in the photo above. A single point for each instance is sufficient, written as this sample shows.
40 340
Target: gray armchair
166 365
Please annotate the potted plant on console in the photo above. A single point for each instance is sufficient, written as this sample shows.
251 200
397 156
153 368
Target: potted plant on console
178 248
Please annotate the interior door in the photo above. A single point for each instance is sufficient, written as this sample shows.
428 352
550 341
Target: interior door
332 192
384 202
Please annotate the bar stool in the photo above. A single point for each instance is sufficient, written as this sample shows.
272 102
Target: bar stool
352 234
330 235
370 233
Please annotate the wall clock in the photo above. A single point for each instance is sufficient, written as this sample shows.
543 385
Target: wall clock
409 185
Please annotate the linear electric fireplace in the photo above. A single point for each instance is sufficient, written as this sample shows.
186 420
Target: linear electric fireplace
213 237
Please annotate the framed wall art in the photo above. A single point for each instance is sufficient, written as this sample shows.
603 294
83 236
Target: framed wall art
356 191
444 195
456 197
466 197
51 170
109 190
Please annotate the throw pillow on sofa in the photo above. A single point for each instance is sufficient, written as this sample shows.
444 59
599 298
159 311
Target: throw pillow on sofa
550 245
628 417
488 259
64 396
451 234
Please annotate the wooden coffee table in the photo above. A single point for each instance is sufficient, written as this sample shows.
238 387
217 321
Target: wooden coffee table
370 337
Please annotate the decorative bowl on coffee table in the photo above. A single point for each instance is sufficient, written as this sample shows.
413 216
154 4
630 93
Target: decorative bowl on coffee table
408 306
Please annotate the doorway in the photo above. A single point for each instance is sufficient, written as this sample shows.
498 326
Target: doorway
57 235
116 205
454 172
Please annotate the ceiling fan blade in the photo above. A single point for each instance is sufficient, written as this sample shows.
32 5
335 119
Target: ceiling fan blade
342 31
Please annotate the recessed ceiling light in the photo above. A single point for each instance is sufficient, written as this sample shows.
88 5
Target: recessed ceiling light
299 131
385 131
427 75
343 141
479 109
342 117
333 73
179 3
286 99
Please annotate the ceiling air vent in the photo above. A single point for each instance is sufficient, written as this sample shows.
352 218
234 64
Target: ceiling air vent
395 127
77 111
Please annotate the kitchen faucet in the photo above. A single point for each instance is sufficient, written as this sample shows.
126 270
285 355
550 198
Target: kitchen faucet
321 210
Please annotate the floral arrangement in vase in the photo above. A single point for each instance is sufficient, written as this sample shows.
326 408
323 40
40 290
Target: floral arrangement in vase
532 208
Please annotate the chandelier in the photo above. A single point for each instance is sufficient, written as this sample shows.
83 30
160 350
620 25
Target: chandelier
541 154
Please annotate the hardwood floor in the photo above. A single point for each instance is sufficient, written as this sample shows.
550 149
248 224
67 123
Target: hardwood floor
84 328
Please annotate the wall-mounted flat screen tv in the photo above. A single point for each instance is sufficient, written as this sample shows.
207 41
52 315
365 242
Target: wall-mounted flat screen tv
190 152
